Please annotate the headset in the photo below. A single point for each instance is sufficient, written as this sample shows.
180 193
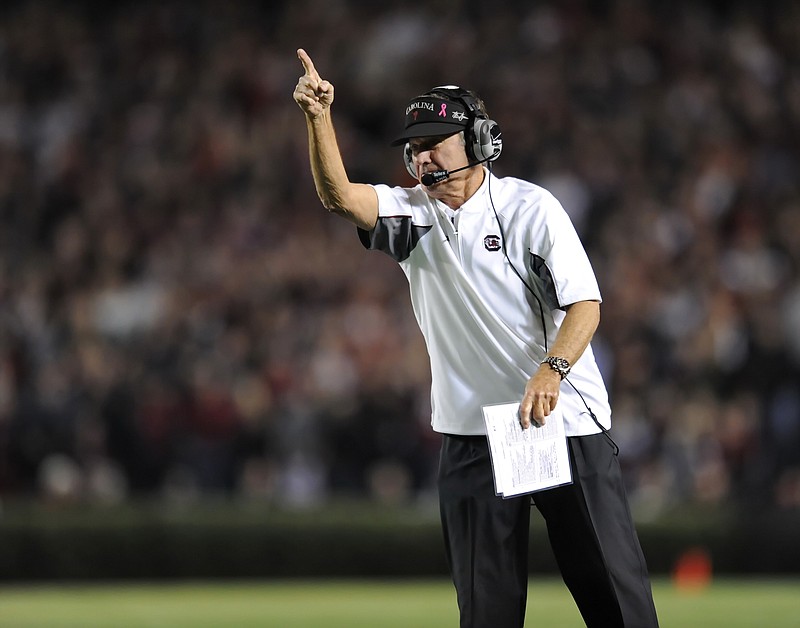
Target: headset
482 136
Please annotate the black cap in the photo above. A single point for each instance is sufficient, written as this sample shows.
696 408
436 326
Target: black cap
427 116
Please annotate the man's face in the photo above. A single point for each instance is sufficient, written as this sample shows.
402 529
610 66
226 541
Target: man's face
440 152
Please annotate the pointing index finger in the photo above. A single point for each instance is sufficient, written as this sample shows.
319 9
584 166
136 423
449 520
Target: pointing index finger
308 64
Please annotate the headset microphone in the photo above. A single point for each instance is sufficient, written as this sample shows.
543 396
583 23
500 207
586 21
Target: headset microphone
437 176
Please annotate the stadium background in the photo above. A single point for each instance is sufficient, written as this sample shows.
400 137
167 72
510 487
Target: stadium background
182 324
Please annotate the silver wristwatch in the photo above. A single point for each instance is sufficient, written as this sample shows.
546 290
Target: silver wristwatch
559 365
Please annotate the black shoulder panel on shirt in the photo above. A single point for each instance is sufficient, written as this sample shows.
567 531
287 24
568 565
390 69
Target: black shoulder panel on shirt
542 272
394 235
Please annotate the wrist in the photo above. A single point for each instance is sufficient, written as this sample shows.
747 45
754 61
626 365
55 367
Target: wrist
558 364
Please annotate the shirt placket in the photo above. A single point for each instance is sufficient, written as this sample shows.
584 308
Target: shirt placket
456 240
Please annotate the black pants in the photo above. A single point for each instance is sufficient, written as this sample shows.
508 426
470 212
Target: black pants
588 523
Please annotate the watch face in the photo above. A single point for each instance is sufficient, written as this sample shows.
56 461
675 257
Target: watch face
561 365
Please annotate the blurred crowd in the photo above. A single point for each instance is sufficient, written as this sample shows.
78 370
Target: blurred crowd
180 317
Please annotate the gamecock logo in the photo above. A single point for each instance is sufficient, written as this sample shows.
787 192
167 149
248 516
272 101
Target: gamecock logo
492 243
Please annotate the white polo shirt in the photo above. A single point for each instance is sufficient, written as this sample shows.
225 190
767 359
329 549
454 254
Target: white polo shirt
482 326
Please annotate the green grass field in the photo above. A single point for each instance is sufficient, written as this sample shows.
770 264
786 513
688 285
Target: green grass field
366 604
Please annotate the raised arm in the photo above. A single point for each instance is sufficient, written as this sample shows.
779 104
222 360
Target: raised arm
356 202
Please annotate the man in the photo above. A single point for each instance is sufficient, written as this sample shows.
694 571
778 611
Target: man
507 302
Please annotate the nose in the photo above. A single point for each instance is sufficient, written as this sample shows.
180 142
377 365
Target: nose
422 158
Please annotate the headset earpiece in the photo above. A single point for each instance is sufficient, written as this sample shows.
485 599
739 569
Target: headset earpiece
408 159
487 140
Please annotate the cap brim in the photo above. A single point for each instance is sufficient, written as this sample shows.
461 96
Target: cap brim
427 129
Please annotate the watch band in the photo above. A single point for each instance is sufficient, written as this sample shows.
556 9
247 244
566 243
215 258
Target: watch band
559 365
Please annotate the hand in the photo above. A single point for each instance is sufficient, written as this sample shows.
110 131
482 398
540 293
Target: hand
541 397
313 94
